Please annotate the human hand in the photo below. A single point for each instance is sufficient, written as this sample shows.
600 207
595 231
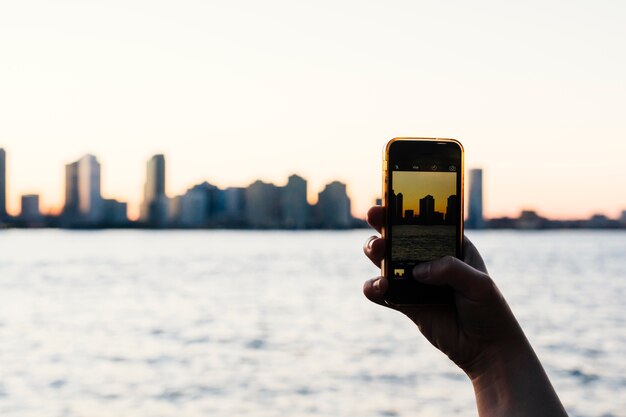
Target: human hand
479 332
478 329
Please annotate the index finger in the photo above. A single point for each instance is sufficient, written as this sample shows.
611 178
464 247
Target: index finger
376 217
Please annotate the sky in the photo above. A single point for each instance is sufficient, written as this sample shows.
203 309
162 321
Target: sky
239 90
416 185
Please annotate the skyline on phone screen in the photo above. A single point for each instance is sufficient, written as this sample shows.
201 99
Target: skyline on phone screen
423 209
440 185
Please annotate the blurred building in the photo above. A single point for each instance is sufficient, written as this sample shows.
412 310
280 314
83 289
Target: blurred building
3 184
206 205
191 210
295 208
332 210
216 205
263 206
115 213
70 209
154 209
30 209
475 218
600 221
235 207
90 204
529 219
84 204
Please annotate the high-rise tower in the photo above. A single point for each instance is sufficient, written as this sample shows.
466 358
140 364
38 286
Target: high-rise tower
452 210
155 204
70 209
83 199
475 218
427 209
295 209
333 207
263 205
89 197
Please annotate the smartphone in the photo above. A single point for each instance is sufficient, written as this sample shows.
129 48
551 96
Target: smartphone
423 200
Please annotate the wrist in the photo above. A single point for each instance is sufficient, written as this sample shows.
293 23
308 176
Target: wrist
513 383
494 379
497 361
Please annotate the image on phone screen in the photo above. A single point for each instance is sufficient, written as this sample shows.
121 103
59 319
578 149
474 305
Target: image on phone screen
424 209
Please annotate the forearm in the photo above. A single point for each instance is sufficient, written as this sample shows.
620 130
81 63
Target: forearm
516 385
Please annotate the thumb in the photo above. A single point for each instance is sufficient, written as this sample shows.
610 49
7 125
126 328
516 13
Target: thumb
465 280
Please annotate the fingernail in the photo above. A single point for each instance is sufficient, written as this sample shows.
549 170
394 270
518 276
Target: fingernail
369 242
421 272
376 285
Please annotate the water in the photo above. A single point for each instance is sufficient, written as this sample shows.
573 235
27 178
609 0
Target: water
422 243
225 323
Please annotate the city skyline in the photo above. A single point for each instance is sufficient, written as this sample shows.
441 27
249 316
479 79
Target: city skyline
260 205
263 205
530 95
14 200
91 165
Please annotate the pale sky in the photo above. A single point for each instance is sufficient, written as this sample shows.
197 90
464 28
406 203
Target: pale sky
232 91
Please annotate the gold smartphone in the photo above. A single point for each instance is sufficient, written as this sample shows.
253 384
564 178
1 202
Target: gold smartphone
423 200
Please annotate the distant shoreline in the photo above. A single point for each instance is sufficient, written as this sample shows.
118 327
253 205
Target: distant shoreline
243 229
528 220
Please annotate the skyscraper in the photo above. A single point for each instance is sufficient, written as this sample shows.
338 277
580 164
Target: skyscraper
399 206
70 209
235 206
194 208
3 185
84 204
452 210
90 205
155 204
295 208
263 208
475 218
427 208
396 206
333 207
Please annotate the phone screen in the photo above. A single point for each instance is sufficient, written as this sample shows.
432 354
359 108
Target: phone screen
424 206
424 193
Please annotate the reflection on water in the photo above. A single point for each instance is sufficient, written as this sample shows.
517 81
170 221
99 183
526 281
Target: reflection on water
143 323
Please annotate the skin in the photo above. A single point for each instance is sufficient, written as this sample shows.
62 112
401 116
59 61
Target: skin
479 333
